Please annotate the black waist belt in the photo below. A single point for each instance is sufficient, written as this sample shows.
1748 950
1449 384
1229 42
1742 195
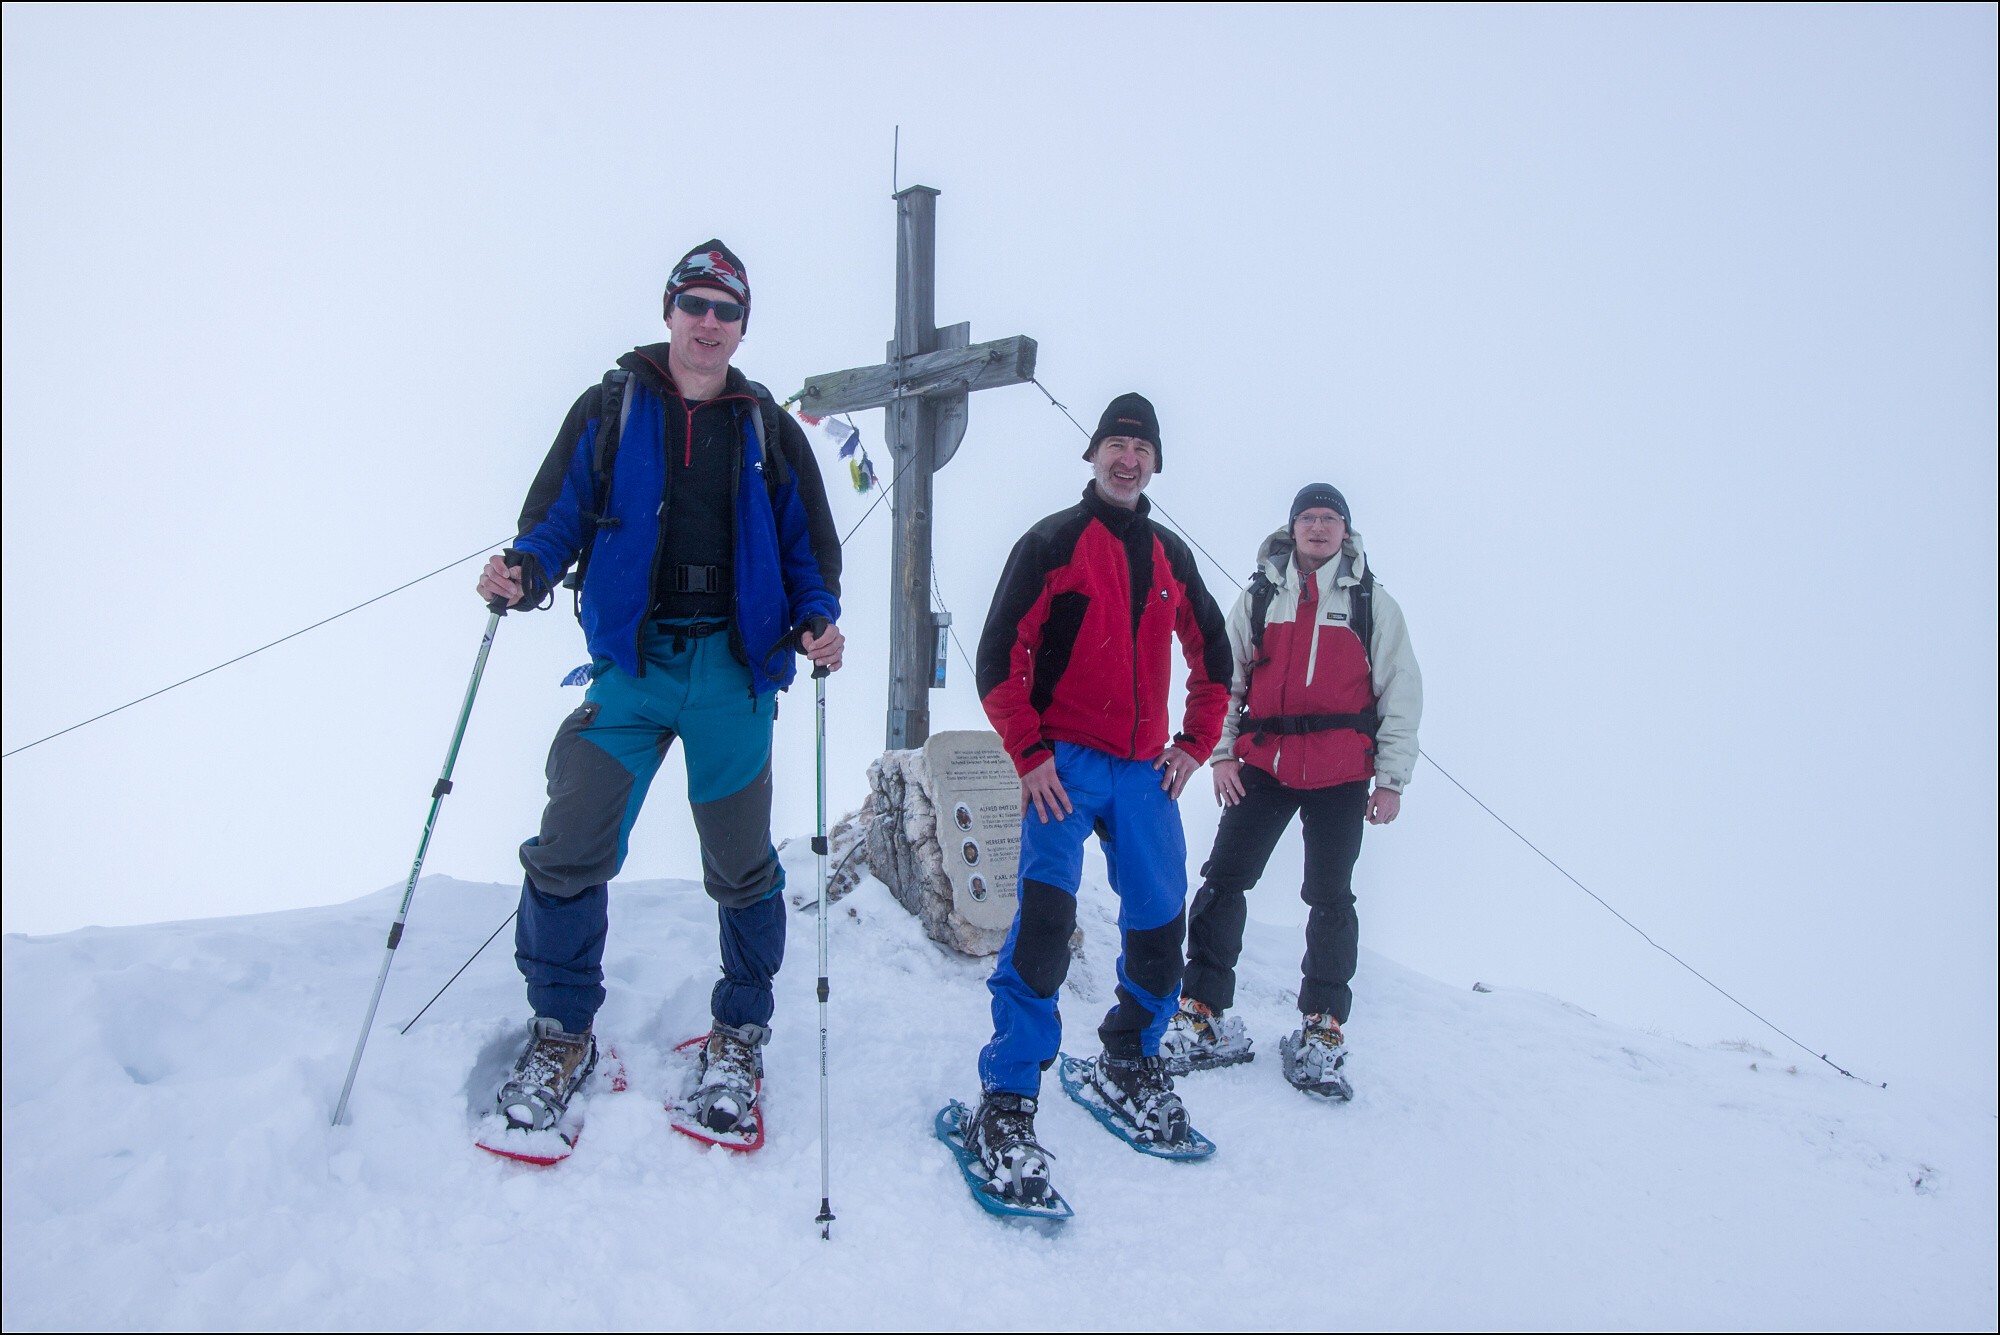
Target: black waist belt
694 579
691 630
1295 725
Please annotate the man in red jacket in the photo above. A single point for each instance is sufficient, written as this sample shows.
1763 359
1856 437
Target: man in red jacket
1327 698
1074 667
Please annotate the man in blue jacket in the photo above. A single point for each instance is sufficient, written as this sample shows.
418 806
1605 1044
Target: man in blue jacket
695 513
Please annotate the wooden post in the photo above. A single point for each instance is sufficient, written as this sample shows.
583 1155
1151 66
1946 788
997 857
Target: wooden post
924 383
912 426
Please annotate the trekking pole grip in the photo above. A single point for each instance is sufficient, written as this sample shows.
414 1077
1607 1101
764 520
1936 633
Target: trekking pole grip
816 627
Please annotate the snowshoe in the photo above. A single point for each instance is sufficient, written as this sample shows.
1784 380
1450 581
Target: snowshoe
1198 1039
1150 1097
719 1104
1315 1058
1006 1169
537 1114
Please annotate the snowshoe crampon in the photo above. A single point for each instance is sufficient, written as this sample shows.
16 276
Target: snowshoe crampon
1198 1041
1314 1065
1079 1084
685 1109
951 1124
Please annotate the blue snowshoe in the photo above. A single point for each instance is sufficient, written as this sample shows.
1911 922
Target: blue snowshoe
1006 1170
1135 1101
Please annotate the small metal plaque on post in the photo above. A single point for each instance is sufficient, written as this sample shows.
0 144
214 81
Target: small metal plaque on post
941 660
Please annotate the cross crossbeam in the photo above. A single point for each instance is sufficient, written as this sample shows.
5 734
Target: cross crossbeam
924 382
953 371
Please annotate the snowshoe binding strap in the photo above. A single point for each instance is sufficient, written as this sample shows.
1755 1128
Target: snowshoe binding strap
1142 1091
732 1069
546 1076
1002 1134
1315 1057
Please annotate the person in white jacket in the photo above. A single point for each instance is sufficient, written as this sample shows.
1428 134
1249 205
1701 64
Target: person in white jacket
1322 724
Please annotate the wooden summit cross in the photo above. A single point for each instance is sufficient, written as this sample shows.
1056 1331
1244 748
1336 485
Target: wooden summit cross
924 383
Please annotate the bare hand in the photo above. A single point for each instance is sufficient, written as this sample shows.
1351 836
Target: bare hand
1228 776
1042 788
500 580
1179 767
825 650
1384 804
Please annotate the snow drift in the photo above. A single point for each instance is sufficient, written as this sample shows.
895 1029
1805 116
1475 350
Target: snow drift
1509 1160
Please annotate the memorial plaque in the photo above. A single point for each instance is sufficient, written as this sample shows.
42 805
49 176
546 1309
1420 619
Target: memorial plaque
978 797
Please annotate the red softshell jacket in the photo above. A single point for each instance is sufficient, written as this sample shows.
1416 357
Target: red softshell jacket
1078 642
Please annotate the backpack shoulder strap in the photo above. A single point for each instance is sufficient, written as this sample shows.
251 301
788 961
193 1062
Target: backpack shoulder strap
617 390
610 427
1262 591
1364 612
768 422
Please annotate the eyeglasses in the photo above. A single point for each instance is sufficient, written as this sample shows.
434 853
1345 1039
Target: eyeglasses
1319 521
729 312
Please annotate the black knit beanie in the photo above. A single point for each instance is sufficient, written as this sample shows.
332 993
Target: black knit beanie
1320 494
710 264
1130 415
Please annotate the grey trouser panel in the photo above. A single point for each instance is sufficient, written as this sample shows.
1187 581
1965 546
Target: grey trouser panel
737 868
581 842
606 753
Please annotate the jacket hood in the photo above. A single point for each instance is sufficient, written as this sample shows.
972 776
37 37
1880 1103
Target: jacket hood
650 361
1274 557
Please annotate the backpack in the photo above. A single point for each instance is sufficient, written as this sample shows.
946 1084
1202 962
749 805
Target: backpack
604 453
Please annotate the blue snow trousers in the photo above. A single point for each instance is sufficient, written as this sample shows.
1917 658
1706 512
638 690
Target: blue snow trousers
1139 828
600 766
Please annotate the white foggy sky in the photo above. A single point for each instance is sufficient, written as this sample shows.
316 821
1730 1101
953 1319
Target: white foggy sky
1653 347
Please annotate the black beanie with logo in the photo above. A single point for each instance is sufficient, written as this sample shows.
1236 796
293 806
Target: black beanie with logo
1130 415
1322 495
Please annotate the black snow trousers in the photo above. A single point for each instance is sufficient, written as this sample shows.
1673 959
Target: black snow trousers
1332 820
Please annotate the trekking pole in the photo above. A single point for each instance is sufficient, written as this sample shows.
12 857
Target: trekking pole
825 1220
497 608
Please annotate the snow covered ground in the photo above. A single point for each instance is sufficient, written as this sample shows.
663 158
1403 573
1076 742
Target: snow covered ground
1510 1161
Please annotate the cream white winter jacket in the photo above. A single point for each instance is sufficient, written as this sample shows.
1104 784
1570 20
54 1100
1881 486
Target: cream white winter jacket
1392 663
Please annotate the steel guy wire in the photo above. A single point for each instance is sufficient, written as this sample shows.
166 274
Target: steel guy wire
1643 934
1152 501
258 650
461 969
1635 926
883 490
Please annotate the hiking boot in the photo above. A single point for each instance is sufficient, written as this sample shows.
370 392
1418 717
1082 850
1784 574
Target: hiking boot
1002 1134
1142 1091
546 1076
732 1072
1315 1058
1199 1039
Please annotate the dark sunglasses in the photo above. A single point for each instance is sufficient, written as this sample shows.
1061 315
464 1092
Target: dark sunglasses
729 312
